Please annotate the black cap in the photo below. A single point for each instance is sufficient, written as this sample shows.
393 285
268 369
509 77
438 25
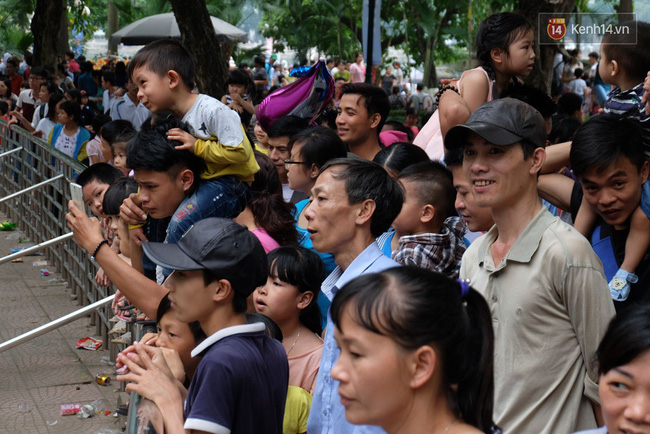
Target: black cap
226 249
501 122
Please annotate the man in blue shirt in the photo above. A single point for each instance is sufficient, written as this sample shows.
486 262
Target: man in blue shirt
353 202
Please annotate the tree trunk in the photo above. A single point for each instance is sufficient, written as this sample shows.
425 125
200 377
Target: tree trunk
542 73
625 7
63 44
112 26
199 37
46 23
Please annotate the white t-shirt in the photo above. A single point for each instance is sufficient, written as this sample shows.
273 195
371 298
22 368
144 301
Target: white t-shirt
67 144
46 126
578 86
209 117
39 113
286 192
124 108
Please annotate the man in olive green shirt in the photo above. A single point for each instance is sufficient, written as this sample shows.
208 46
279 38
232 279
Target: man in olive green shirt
545 286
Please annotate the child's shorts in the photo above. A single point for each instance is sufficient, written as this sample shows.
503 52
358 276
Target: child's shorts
645 198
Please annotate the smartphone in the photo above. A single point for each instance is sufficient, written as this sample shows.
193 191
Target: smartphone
76 192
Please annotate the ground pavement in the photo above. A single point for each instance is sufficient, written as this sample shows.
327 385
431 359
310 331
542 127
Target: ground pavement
40 375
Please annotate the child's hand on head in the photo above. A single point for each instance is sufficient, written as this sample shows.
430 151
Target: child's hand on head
184 137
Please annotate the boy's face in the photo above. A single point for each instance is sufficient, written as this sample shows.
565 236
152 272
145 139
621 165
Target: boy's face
605 68
614 193
476 218
93 193
499 175
408 221
153 90
190 297
160 194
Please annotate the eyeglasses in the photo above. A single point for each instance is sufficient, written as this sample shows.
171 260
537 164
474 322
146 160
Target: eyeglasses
287 163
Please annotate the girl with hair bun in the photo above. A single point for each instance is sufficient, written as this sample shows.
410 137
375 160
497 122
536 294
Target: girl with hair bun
416 353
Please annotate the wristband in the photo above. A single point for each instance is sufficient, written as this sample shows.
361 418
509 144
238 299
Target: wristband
442 90
99 246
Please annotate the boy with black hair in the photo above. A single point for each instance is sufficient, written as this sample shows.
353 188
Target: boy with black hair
578 85
362 112
240 385
625 61
169 187
94 181
164 72
431 233
28 99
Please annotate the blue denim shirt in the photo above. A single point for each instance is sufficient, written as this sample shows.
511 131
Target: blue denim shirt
327 415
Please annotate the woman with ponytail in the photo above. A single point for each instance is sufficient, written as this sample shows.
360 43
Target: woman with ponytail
416 353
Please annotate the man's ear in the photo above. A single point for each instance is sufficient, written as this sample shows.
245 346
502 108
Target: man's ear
186 178
174 79
644 171
375 119
366 210
221 290
427 213
537 160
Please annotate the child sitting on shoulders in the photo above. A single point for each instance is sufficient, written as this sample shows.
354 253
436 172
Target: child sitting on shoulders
164 73
431 233
625 61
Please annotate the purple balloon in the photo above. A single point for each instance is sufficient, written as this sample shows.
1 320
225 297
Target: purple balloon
305 97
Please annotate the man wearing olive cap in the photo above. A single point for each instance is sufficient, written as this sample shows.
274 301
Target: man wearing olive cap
545 286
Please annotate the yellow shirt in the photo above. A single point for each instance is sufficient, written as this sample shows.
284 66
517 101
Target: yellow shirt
296 411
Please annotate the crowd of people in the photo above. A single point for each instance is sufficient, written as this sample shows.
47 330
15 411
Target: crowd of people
485 269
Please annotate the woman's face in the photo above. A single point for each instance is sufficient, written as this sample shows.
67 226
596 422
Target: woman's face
372 370
299 174
44 94
625 397
3 88
63 117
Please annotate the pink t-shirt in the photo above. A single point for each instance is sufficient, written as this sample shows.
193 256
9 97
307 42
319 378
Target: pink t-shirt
357 73
267 242
303 369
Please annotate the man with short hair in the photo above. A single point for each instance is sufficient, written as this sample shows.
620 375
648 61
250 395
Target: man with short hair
362 112
354 201
280 133
607 157
28 99
12 73
130 108
546 288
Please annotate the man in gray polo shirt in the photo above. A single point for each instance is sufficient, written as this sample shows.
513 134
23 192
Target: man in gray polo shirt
546 288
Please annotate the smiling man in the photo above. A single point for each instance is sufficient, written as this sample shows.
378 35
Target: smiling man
362 113
546 288
607 157
353 202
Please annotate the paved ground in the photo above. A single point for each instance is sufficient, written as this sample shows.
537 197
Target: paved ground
38 376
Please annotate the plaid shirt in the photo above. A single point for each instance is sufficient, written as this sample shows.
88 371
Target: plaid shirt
436 252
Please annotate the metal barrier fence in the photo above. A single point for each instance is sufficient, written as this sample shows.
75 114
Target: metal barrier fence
25 161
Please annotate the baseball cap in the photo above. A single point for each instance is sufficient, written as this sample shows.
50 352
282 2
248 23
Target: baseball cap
226 249
274 56
501 122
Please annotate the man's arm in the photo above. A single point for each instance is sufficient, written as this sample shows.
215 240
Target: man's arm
142 292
